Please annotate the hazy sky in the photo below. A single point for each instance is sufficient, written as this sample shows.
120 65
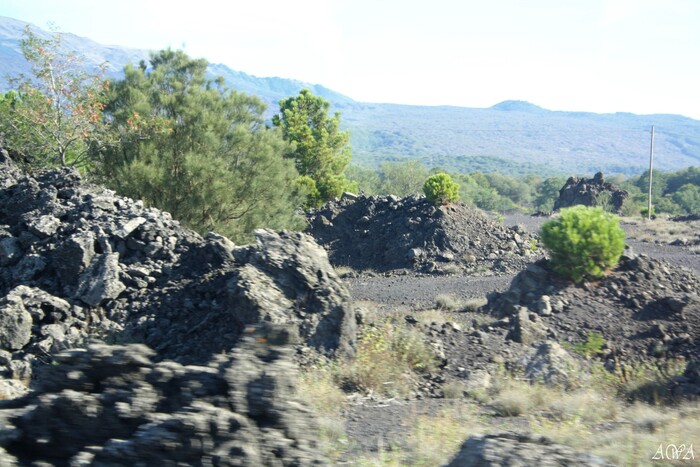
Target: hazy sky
640 56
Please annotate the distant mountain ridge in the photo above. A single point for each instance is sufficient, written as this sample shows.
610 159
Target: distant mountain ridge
514 137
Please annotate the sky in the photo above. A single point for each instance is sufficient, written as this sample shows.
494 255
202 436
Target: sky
639 56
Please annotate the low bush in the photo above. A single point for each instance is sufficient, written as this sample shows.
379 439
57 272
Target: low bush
583 242
440 189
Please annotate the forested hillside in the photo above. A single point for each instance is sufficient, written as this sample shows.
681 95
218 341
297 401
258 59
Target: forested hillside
513 137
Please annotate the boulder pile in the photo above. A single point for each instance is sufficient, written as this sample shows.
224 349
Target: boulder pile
387 233
208 377
79 262
114 405
644 310
590 192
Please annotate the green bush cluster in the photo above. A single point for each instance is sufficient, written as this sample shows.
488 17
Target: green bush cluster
583 242
440 189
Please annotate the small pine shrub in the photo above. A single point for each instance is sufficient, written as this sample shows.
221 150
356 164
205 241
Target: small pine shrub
440 189
583 242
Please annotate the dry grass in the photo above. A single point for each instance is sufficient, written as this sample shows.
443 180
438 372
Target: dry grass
448 302
630 438
598 418
389 357
318 388
451 302
433 439
623 417
344 271
661 229
452 269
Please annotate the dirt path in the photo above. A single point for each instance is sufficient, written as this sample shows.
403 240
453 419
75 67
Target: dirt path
419 292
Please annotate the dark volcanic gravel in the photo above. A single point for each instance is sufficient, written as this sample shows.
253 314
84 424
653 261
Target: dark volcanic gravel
419 292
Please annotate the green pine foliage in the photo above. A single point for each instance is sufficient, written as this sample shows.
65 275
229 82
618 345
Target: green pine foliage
320 151
440 189
583 242
198 150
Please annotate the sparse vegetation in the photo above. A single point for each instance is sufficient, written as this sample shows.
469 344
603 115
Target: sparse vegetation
448 302
203 152
390 354
592 346
583 242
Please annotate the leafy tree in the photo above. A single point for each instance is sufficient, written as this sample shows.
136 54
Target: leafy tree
475 189
658 185
583 242
515 190
440 189
198 150
666 203
548 193
321 151
688 198
368 181
402 178
689 175
54 117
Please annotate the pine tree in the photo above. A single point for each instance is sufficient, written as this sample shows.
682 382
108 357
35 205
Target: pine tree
198 150
321 151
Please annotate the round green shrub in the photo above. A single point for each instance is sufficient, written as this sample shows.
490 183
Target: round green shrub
440 189
583 242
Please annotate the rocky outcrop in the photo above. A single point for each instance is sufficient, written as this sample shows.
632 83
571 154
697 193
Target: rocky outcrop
387 233
590 192
644 309
114 405
548 363
516 449
79 263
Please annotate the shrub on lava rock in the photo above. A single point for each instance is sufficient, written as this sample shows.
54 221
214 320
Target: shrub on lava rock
440 189
583 242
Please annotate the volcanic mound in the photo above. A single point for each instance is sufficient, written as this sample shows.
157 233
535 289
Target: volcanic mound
645 310
387 233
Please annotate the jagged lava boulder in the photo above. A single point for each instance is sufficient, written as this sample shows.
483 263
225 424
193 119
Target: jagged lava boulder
516 449
114 405
387 233
589 192
80 262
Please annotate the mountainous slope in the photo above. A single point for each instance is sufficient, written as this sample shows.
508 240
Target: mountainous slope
521 138
513 137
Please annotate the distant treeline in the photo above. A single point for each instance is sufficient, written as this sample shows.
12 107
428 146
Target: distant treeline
673 192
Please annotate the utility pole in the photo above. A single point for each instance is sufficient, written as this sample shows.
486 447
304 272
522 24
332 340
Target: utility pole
651 168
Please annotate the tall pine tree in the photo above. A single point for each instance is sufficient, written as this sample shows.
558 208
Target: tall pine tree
198 150
321 151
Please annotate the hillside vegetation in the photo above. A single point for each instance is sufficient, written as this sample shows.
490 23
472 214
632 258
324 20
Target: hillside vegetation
513 137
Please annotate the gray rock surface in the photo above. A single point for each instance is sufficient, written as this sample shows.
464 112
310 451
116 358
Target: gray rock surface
590 192
518 449
643 310
389 234
551 364
15 324
91 264
113 405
